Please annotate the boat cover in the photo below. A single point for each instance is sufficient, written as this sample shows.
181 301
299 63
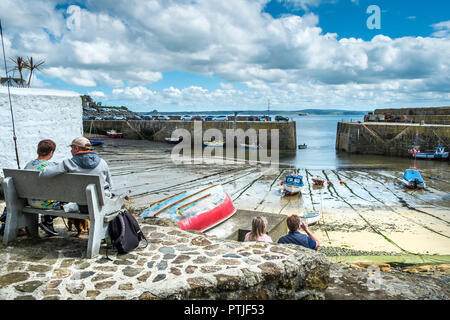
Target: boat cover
411 175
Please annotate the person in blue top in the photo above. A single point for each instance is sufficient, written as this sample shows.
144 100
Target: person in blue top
295 237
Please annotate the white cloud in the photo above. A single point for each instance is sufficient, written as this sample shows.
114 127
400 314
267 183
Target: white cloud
128 45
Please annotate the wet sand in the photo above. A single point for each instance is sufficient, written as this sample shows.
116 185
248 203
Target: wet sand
370 211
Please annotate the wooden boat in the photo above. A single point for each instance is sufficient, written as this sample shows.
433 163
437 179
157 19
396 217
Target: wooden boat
173 140
292 184
413 180
318 181
194 210
114 134
310 217
250 146
214 144
439 153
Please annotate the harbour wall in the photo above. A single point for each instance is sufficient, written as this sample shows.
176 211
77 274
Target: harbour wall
389 139
434 115
158 130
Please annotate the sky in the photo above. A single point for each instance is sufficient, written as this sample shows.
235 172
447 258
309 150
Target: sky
189 55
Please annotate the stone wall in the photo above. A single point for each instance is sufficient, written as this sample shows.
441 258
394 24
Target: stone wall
391 139
439 115
175 264
38 114
157 130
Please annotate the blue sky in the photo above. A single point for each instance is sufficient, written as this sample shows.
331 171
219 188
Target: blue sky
183 55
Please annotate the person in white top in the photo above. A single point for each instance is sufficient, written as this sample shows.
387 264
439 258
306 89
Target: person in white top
259 231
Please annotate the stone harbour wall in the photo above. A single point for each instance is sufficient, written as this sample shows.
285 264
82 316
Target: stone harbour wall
390 139
158 130
176 264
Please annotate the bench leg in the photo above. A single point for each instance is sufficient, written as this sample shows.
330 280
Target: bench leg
14 207
98 227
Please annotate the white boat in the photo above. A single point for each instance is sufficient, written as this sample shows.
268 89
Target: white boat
310 217
214 144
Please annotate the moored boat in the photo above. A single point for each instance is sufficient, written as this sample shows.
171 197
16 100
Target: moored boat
194 210
439 153
173 140
412 179
310 217
250 146
215 144
96 141
114 134
302 146
292 184
318 181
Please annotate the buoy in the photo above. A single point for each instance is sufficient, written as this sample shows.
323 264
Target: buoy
328 182
341 182
281 183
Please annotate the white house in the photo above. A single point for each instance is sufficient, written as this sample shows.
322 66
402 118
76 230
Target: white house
38 114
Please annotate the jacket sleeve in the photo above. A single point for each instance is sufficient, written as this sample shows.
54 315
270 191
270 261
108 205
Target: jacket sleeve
54 170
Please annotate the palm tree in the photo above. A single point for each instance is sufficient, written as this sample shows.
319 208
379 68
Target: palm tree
30 65
19 64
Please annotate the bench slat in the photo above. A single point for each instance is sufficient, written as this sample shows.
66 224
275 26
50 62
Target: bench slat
58 213
67 187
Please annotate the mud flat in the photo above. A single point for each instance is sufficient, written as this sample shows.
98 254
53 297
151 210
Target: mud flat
363 210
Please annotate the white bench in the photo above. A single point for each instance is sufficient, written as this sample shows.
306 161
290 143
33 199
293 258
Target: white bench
84 189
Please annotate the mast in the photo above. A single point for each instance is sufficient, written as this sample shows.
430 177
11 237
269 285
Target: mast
10 104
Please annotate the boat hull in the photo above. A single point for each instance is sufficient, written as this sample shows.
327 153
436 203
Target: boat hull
318 182
310 218
290 189
172 141
412 185
195 210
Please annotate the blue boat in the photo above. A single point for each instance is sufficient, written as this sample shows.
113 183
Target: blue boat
96 141
413 179
439 153
292 183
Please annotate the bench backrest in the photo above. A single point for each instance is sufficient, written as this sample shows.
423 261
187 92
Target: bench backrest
67 187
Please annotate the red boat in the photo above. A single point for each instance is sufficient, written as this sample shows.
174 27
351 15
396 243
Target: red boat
318 181
194 210
114 134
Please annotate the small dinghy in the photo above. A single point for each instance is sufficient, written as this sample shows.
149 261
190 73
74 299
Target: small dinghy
114 134
310 217
214 144
194 210
173 140
302 146
292 184
412 179
96 141
250 146
318 181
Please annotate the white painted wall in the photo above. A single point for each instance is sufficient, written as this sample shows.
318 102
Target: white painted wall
38 114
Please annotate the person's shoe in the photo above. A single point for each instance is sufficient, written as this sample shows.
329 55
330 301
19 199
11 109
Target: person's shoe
48 228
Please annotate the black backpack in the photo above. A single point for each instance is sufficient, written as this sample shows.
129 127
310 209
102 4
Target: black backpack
125 232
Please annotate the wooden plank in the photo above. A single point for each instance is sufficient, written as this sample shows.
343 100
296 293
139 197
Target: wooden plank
67 187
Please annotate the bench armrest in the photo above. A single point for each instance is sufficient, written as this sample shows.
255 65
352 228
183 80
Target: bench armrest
113 204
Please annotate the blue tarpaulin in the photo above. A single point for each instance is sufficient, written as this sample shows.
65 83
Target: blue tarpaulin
411 175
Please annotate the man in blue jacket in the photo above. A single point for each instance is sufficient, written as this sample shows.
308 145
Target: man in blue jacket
295 237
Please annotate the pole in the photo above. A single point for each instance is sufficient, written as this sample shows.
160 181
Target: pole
9 95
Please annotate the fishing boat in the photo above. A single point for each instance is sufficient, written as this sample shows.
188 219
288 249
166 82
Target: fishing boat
302 146
173 140
214 144
310 217
114 134
292 184
194 210
318 181
412 179
439 153
250 146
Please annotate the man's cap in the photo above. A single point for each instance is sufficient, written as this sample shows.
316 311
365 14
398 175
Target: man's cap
81 142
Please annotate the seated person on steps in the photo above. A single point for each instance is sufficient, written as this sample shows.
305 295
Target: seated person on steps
295 237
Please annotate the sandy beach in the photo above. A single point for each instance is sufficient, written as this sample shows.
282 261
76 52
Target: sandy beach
369 211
